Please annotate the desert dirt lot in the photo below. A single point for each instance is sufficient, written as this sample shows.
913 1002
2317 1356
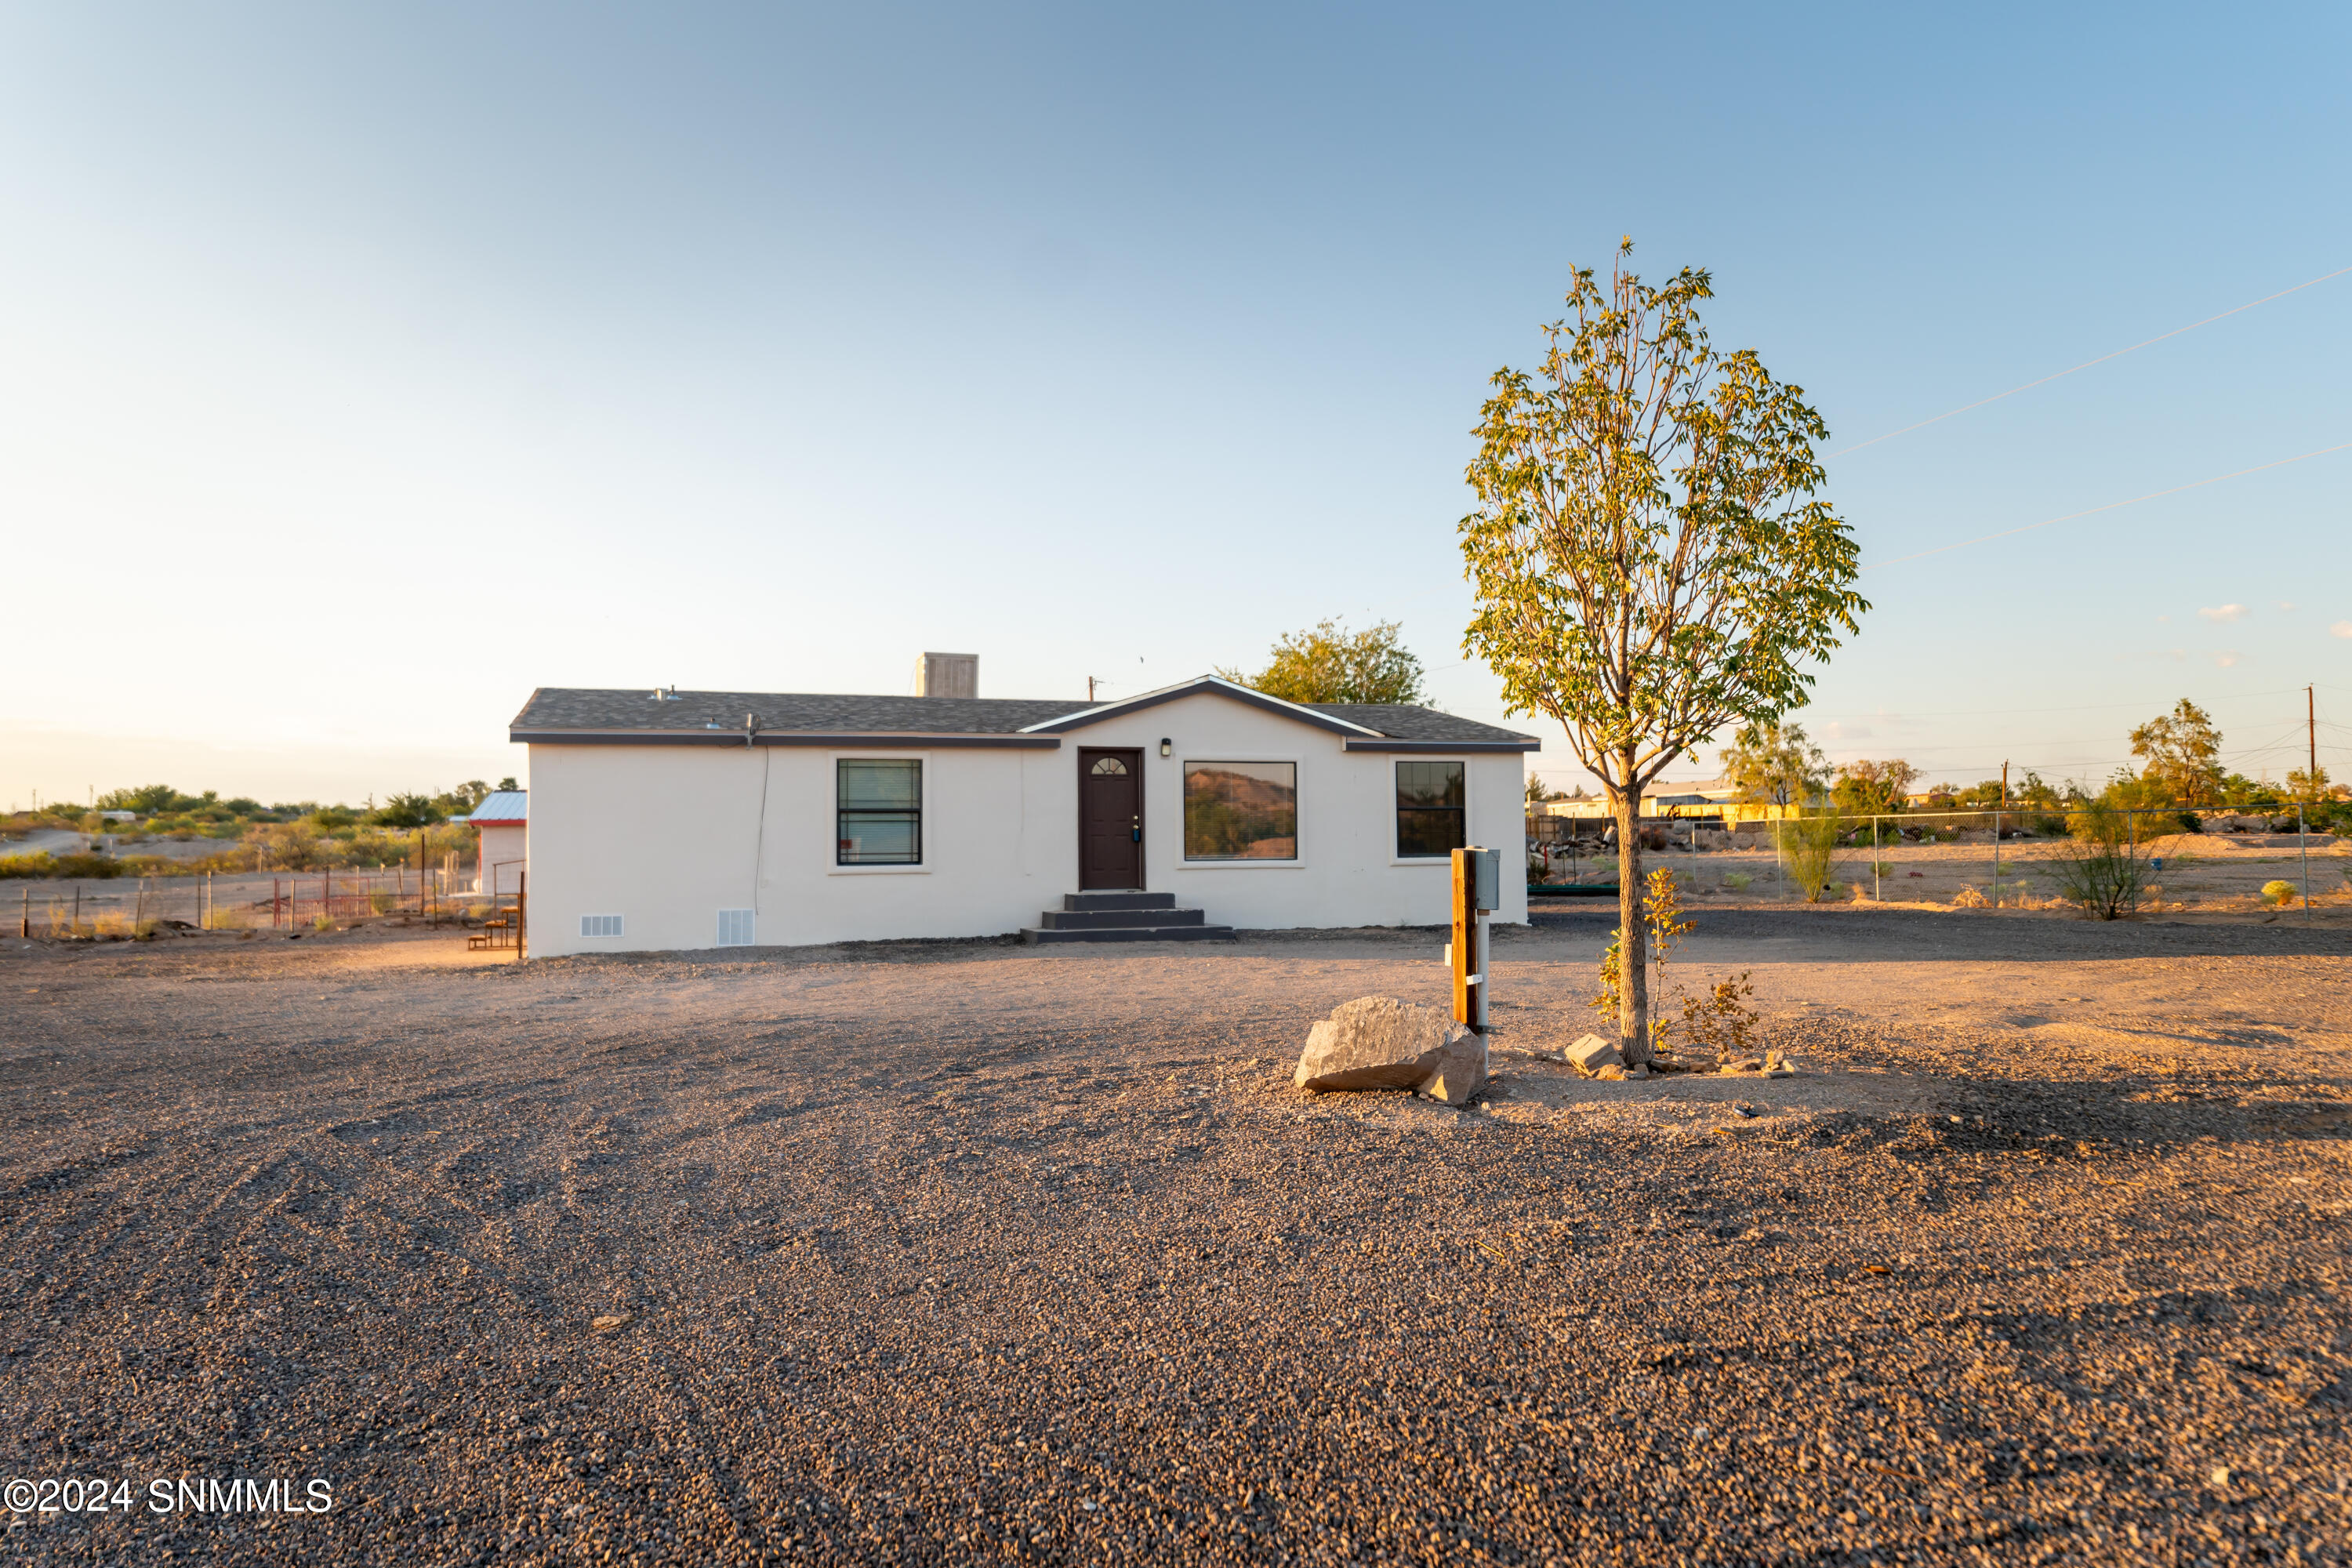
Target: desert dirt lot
949 1253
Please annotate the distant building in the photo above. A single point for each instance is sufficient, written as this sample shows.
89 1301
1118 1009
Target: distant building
502 821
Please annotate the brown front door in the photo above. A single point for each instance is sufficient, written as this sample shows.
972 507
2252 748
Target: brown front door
1110 819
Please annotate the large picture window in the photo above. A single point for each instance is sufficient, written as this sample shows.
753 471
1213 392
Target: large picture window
878 813
1241 811
1429 810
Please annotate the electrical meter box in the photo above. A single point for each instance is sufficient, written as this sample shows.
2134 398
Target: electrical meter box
1486 878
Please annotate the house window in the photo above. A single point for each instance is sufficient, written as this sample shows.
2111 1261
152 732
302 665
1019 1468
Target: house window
600 925
879 818
1429 810
1241 811
735 928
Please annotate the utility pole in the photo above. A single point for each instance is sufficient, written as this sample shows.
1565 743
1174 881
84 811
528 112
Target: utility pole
2004 783
2311 729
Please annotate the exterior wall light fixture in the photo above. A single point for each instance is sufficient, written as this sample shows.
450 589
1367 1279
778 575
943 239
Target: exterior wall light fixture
1166 745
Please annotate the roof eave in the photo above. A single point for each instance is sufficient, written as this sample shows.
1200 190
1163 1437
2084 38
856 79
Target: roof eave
891 740
1388 743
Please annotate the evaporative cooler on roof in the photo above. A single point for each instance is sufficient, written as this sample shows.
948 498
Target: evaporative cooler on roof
947 675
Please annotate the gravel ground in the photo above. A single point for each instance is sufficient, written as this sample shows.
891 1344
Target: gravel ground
962 1252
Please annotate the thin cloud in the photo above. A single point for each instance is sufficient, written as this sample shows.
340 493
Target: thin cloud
2287 604
2223 613
2341 629
2226 659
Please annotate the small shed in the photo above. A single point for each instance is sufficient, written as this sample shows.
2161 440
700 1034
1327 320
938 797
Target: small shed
501 822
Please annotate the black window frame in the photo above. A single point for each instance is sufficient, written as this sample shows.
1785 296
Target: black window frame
843 814
1460 812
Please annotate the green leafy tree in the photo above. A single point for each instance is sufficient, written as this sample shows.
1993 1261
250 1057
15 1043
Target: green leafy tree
1774 764
507 783
1865 788
146 800
1650 560
2181 750
2307 785
1332 664
408 811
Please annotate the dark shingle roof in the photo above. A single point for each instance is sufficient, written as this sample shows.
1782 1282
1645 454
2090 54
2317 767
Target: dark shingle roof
570 707
1404 723
556 711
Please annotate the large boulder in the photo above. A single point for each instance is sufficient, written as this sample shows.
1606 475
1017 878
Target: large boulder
1378 1042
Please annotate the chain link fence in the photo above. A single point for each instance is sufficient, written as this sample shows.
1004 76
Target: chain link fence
2093 857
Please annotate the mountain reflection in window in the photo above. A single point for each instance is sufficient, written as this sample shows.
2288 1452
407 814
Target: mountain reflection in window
1241 811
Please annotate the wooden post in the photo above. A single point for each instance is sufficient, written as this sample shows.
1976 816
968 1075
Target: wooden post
522 898
1469 962
24 920
1465 925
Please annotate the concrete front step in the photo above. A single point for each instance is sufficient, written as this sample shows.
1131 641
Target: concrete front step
1041 935
1077 902
1107 920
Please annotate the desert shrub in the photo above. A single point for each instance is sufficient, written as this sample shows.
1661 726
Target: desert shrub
1721 1021
1738 882
233 918
1968 898
1882 867
1724 1020
2279 893
2100 870
1809 848
323 922
381 903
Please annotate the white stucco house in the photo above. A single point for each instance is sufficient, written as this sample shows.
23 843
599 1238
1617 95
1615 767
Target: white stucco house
696 819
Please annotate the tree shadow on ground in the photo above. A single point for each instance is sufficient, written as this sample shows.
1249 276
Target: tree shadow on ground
1916 936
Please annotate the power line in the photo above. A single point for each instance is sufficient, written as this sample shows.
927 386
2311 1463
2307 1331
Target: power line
2087 363
2111 506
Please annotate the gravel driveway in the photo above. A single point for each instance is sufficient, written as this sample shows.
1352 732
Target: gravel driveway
954 1253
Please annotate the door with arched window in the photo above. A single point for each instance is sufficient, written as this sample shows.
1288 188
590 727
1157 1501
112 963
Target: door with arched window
1110 819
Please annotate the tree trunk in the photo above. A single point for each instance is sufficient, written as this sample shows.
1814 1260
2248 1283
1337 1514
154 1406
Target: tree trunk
1632 933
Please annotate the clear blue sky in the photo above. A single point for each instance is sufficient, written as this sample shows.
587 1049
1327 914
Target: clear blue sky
362 368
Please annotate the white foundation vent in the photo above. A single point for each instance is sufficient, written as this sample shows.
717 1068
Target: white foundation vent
737 928
600 925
